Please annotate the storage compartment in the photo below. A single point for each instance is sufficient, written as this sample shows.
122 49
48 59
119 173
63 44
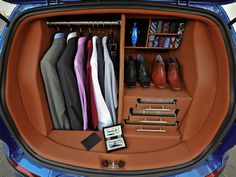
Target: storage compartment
153 141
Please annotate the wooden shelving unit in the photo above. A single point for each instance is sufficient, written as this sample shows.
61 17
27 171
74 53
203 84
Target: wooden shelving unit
144 44
131 95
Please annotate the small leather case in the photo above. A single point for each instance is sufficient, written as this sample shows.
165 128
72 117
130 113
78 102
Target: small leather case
114 139
91 141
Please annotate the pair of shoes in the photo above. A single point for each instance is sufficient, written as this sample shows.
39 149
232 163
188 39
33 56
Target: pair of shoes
136 70
159 75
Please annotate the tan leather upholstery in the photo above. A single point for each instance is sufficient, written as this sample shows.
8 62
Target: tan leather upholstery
205 71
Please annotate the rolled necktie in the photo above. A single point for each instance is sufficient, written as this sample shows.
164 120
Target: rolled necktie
174 27
172 42
150 44
166 27
151 37
153 27
181 28
167 42
161 41
178 41
156 41
159 26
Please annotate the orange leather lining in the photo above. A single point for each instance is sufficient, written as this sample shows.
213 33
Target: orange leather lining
65 138
202 56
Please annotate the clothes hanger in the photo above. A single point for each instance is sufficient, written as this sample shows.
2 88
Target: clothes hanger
90 35
103 32
98 31
111 43
69 27
94 32
58 29
81 34
111 36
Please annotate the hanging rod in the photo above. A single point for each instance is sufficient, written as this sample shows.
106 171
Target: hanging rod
118 22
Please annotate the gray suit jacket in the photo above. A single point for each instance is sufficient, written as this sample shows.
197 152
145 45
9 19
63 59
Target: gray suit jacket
52 84
66 72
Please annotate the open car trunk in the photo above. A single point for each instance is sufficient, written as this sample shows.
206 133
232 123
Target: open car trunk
201 105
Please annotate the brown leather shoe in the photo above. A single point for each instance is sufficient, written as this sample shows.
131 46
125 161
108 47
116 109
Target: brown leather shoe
173 77
159 72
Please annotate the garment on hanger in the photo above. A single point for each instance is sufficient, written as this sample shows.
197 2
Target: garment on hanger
104 117
110 80
92 109
112 46
52 84
79 63
100 65
67 77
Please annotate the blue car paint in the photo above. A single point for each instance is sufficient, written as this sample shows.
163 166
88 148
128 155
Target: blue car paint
14 153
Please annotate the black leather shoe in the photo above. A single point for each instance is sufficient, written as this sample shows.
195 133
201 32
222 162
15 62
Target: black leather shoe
130 72
143 74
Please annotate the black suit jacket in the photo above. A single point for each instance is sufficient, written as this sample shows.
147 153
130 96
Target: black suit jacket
101 65
68 81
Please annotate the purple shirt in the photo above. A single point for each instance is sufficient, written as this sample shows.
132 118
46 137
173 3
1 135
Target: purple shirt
79 63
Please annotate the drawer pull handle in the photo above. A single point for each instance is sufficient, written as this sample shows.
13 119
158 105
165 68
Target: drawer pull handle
160 130
154 121
156 101
154 112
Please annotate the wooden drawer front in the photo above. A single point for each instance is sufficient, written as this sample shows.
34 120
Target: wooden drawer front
181 104
152 118
165 133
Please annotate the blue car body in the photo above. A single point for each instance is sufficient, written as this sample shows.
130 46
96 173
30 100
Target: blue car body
214 163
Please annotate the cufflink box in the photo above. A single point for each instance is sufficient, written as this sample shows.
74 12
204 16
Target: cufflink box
114 138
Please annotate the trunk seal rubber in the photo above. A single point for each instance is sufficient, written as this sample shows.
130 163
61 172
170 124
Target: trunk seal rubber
229 120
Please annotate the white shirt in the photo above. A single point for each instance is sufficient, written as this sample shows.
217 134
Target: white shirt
104 117
110 82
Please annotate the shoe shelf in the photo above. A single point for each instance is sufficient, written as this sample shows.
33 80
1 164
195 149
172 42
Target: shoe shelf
155 92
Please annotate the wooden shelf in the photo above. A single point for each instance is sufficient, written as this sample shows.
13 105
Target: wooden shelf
154 91
155 48
165 34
